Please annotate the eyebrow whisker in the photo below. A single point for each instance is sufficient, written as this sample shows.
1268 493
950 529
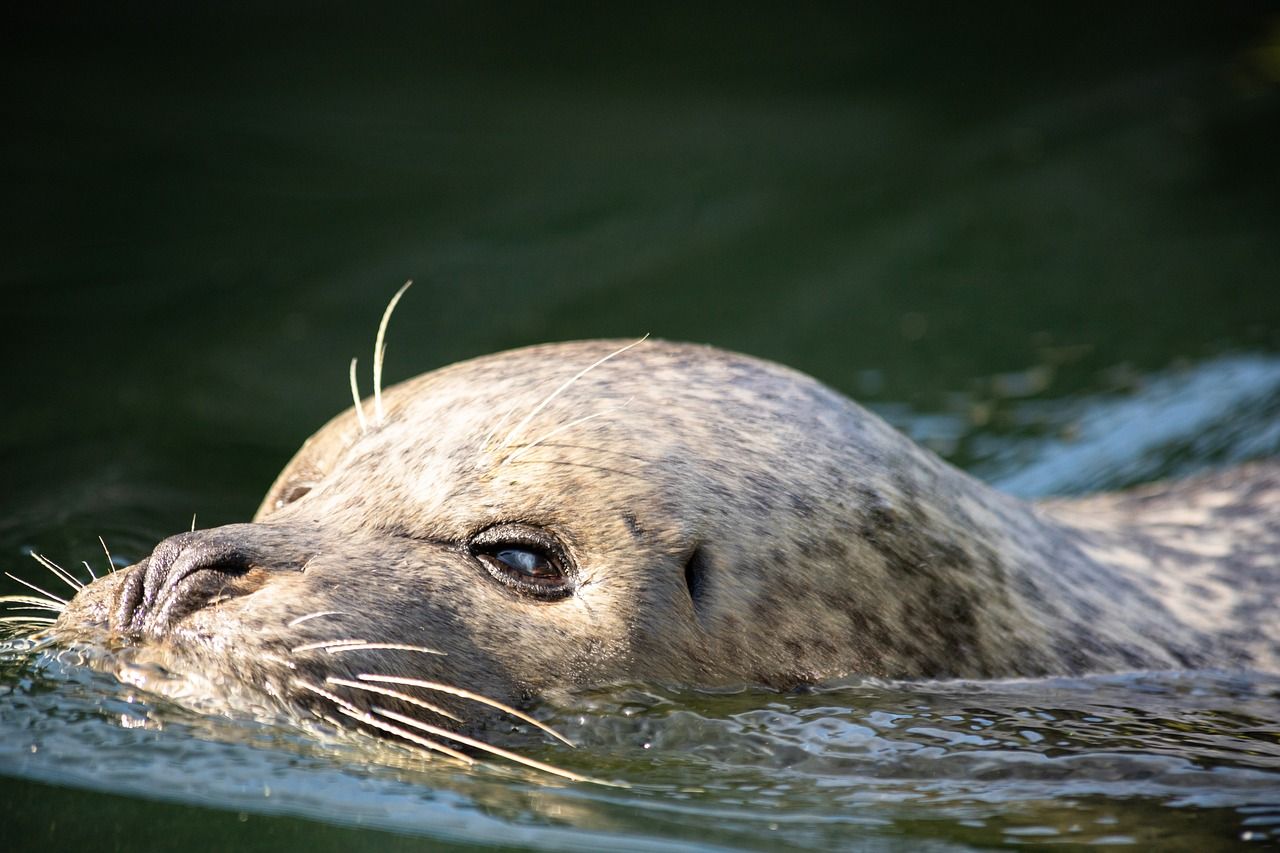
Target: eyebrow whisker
526 448
568 383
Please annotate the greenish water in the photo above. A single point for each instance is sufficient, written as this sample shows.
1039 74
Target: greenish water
1044 243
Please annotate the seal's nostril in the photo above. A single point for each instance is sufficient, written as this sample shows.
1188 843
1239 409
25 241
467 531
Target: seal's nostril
183 574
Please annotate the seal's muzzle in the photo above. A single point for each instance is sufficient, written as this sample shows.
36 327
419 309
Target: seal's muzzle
186 573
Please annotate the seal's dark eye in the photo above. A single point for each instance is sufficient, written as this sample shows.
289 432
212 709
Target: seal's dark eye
525 559
530 564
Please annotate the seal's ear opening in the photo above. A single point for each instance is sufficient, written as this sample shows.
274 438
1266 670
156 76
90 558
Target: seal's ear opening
695 578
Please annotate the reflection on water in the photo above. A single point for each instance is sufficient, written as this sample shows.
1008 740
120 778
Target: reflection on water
1222 411
1186 759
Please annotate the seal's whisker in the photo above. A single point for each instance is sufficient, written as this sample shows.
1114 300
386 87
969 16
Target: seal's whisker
355 398
617 471
568 383
425 743
493 432
352 711
89 569
387 691
43 592
14 625
526 448
58 572
465 694
111 563
485 747
32 602
42 607
319 613
378 647
275 658
380 351
193 522
594 449
326 644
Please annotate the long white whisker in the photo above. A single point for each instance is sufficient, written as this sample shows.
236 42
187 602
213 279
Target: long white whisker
596 449
484 747
295 622
387 691
27 620
58 572
493 432
355 398
193 522
350 710
425 743
511 436
523 450
326 644
380 351
89 569
465 694
31 601
401 647
43 592
111 564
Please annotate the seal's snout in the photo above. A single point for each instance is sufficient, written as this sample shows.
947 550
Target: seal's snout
185 573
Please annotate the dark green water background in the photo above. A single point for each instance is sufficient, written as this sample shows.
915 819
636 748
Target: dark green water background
986 224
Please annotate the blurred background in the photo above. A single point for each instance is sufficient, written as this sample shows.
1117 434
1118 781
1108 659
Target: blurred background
1044 241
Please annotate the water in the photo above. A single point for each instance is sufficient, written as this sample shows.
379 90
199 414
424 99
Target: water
1043 243
1182 760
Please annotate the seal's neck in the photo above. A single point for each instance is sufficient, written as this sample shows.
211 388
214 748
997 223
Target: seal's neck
1006 588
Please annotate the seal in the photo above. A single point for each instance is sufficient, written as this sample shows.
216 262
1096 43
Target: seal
588 513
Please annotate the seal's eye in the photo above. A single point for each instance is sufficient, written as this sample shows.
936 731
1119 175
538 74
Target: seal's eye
525 559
